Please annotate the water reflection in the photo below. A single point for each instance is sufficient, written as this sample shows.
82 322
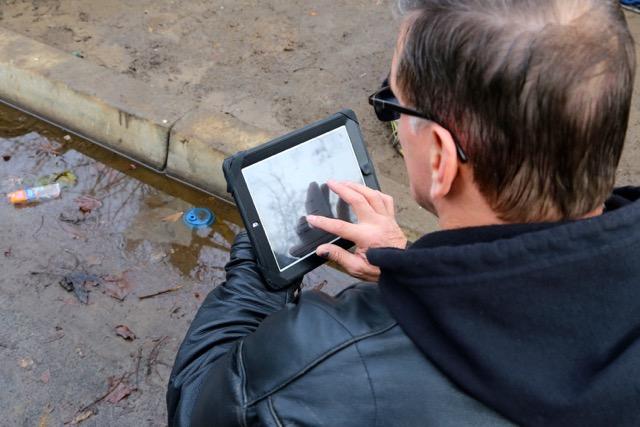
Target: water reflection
134 201
135 226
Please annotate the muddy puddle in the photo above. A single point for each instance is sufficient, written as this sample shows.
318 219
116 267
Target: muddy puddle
117 232
134 205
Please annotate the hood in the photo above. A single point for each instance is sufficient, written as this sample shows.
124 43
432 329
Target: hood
540 322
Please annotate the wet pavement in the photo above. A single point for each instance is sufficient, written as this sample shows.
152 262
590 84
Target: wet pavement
115 240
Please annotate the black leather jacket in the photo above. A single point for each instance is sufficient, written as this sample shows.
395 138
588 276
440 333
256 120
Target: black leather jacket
319 361
536 324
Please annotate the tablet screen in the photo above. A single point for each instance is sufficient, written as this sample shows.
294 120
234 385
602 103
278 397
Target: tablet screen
292 184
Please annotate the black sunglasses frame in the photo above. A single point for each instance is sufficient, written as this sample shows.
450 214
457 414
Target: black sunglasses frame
387 110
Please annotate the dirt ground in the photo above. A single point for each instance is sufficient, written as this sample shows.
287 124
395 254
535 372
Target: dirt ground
275 64
61 359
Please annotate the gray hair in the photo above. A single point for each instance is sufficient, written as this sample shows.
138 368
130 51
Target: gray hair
404 7
537 92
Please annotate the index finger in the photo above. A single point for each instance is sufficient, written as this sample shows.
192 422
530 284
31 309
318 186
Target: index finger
340 228
360 205
375 198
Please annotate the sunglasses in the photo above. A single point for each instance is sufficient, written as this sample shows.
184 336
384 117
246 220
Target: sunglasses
388 109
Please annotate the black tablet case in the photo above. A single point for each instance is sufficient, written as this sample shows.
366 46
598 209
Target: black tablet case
237 187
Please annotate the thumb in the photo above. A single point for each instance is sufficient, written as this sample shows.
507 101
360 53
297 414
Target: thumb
333 253
353 264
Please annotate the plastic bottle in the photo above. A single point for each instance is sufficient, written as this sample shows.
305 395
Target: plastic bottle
34 194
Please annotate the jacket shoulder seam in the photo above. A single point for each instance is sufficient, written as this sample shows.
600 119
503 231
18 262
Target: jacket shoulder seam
274 414
243 385
373 392
322 356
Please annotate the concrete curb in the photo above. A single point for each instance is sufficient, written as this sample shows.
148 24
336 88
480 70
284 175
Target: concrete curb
200 142
168 134
121 113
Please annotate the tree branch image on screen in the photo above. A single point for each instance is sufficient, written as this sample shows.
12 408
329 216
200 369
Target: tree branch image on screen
292 184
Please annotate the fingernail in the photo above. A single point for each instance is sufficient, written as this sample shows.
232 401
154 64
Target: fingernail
311 218
325 254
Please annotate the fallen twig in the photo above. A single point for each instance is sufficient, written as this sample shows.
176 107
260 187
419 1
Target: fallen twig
138 360
101 398
57 336
153 354
39 228
165 291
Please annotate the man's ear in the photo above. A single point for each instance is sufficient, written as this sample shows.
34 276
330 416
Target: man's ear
443 158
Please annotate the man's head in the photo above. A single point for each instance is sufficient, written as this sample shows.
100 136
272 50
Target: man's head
536 92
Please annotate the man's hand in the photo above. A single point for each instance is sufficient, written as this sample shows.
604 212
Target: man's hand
376 228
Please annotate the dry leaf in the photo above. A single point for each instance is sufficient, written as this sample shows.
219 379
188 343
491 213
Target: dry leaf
126 333
117 287
86 204
44 418
92 260
173 217
82 416
46 375
48 148
121 391
25 362
114 290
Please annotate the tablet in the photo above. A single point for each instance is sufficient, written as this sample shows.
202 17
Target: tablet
275 185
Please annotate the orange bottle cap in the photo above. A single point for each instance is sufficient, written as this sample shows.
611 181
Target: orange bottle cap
17 197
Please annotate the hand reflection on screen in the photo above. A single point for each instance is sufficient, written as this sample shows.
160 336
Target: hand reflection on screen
317 203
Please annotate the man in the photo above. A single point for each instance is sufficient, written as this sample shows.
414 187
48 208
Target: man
524 309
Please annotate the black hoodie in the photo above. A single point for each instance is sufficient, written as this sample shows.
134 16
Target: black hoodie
540 322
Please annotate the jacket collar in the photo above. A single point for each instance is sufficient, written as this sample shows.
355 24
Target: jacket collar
539 322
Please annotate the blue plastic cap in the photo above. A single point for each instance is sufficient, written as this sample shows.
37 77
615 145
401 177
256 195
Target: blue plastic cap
198 218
